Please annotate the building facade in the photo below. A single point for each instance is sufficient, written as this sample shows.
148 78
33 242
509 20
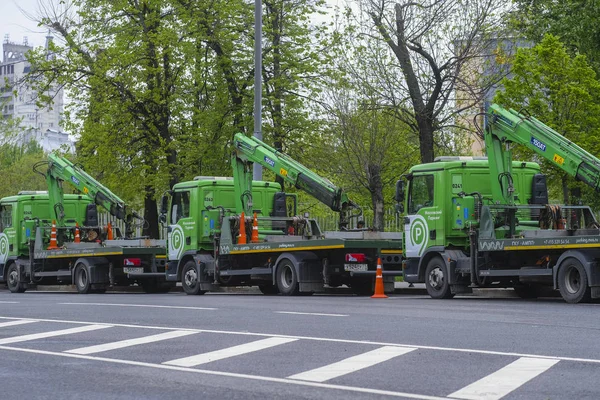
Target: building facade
18 99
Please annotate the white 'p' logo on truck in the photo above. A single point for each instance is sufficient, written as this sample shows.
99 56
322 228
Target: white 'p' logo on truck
416 236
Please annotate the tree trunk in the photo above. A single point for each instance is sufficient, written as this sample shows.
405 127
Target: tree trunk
150 215
376 189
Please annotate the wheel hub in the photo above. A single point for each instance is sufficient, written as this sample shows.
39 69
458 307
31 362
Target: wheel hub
573 280
436 278
286 277
13 278
190 278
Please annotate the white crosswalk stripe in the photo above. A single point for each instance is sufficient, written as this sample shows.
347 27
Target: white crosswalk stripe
130 342
505 380
17 322
229 352
70 331
352 364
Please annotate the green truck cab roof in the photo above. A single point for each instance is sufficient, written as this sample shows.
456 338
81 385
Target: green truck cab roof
446 163
203 181
39 195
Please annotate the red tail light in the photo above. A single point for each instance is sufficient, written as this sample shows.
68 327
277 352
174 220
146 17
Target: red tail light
355 257
132 262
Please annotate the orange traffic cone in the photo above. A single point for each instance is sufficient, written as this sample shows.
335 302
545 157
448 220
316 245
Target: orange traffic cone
77 238
53 243
254 237
379 292
109 232
242 237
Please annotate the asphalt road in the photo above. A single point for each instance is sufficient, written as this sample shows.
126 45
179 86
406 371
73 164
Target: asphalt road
247 346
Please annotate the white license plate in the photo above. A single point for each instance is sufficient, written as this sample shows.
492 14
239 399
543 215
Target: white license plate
356 267
133 270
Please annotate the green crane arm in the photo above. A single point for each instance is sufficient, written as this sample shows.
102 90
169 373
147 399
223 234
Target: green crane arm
249 150
61 170
508 126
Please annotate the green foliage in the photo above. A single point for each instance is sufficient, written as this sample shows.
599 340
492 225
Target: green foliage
16 164
575 22
162 85
563 92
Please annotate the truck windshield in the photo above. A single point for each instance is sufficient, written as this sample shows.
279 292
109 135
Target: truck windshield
421 193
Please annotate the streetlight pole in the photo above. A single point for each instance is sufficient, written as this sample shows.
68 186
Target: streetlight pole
257 169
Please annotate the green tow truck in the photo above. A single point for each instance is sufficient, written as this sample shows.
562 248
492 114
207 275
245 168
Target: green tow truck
487 223
92 261
292 255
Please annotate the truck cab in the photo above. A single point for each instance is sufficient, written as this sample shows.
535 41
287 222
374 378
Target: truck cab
21 215
443 199
196 209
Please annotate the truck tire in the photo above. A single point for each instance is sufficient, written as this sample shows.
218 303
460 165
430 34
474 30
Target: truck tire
82 279
287 278
190 281
436 279
13 281
268 289
573 282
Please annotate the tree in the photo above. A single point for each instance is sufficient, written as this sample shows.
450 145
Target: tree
434 44
16 163
560 90
575 22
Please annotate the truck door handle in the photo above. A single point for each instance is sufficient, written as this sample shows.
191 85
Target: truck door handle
432 234
188 240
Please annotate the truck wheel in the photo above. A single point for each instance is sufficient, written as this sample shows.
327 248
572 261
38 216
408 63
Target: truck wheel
436 279
268 289
190 280
287 278
573 282
13 281
82 279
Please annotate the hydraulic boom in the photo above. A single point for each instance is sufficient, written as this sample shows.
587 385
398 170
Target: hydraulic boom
61 170
508 126
249 150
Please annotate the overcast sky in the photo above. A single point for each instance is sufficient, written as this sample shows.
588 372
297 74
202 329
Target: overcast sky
17 25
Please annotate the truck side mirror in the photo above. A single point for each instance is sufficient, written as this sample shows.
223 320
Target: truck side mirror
399 208
399 195
164 205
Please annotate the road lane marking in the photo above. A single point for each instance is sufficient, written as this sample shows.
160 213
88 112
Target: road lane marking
318 339
308 313
9 302
505 380
231 374
130 342
17 322
138 305
233 351
70 331
352 364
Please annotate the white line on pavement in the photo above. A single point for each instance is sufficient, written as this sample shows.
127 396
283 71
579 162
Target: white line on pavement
9 302
352 364
308 313
505 380
130 342
34 336
319 339
137 305
229 352
233 375
17 322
